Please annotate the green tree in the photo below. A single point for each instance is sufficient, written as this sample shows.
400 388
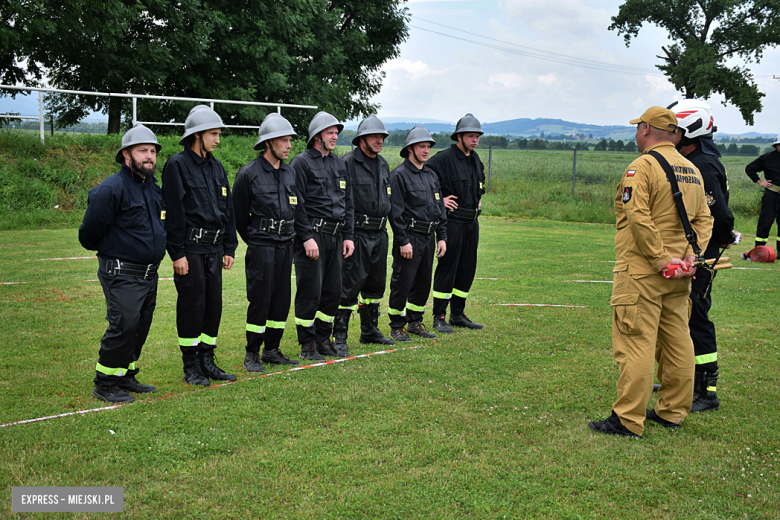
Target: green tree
630 147
317 52
601 146
705 34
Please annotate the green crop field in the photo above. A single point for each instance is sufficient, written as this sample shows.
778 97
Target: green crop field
478 424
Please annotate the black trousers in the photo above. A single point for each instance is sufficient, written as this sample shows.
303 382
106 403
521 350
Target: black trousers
318 287
455 270
770 212
199 302
410 283
268 289
130 303
365 272
702 329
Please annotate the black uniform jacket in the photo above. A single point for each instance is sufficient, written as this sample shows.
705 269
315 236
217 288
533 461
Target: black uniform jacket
325 191
371 198
125 219
769 163
197 195
460 175
716 189
415 194
261 191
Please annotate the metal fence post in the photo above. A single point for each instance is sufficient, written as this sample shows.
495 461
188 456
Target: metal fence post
490 165
40 112
574 173
135 118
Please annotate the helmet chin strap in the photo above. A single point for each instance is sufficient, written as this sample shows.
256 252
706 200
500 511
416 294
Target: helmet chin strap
273 152
415 156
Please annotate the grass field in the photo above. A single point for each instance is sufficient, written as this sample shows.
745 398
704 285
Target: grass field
488 424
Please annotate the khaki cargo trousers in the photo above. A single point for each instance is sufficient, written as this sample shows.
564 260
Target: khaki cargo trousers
650 323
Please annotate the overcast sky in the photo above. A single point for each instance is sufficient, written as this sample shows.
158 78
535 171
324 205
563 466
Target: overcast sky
441 77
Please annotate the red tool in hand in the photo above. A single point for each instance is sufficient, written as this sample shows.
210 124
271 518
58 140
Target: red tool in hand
671 269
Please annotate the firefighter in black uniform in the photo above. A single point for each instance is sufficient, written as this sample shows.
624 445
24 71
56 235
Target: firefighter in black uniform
417 212
769 163
365 272
462 178
266 200
201 241
694 142
125 223
324 238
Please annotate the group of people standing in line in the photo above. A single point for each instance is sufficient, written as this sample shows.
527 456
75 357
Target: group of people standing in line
324 214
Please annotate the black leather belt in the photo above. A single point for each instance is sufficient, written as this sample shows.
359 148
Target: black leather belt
275 227
115 267
465 214
370 223
199 235
321 225
420 226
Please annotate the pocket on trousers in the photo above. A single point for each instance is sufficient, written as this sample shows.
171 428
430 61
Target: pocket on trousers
626 314
254 274
184 280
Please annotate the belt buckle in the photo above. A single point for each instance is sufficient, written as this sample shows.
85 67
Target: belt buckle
366 221
337 227
281 223
149 266
382 223
316 227
216 236
430 227
411 223
117 268
197 237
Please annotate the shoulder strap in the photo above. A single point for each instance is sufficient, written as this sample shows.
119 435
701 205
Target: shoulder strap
690 234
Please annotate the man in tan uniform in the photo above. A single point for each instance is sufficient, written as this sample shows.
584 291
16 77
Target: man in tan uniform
650 312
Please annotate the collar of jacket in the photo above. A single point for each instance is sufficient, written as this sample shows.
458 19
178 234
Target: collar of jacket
137 178
459 153
267 166
409 164
361 155
197 158
316 154
660 145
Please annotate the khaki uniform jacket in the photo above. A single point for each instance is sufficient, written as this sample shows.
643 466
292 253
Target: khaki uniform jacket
649 231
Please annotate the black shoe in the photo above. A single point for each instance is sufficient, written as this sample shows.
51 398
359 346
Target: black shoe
309 351
192 371
252 362
209 367
650 415
440 325
612 426
341 350
325 348
275 357
131 384
399 334
112 394
655 388
705 398
418 329
465 322
369 325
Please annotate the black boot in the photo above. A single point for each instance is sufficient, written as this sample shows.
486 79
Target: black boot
210 368
340 332
309 351
465 322
275 357
369 325
131 384
399 334
192 372
325 348
111 394
252 362
440 325
705 398
418 329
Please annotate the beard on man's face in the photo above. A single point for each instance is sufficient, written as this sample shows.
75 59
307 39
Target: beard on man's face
146 169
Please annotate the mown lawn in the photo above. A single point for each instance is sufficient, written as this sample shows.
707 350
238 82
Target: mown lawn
487 424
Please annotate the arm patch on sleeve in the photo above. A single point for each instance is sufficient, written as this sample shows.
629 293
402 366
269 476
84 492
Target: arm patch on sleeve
627 194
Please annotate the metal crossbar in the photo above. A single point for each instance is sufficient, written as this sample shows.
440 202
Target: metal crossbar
136 97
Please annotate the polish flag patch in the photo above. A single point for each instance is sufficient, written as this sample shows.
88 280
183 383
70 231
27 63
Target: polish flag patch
630 173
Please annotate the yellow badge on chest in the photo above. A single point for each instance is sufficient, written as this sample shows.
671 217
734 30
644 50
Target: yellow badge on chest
388 190
436 195
343 185
224 191
162 215
293 200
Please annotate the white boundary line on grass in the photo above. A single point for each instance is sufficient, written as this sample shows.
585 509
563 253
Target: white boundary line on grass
167 396
539 305
71 258
590 281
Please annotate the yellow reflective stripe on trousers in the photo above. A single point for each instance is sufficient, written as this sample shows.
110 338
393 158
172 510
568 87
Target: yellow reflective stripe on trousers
257 329
462 294
275 324
762 239
131 366
304 323
323 317
110 371
367 301
706 358
347 308
442 295
396 312
413 307
208 340
188 342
